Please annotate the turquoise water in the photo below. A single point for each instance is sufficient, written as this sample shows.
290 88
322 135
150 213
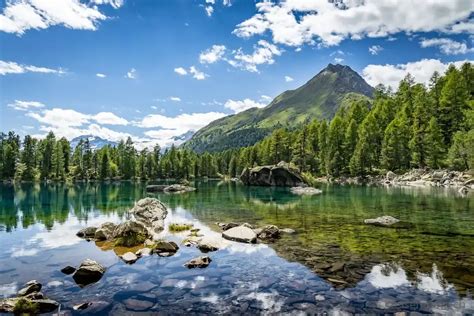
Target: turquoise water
333 263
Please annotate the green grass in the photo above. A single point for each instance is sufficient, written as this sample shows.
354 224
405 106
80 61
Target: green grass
174 227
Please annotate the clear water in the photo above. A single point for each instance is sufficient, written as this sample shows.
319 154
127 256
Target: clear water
334 263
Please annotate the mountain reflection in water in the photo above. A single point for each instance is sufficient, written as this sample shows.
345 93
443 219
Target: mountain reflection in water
41 221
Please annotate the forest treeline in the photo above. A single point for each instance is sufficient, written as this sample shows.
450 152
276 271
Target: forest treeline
413 127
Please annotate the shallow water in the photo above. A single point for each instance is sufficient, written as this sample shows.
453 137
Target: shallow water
333 263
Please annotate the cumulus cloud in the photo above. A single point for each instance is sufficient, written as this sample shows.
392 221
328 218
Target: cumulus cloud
447 46
265 98
109 118
9 67
25 105
338 60
198 75
375 49
131 74
18 16
181 71
263 54
288 79
100 75
390 75
297 22
242 105
175 99
212 55
62 118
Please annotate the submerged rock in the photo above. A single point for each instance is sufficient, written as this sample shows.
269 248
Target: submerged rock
382 221
130 233
156 187
200 262
32 286
305 190
226 226
129 257
82 306
240 234
88 272
269 232
207 246
88 232
105 231
281 174
151 212
287 231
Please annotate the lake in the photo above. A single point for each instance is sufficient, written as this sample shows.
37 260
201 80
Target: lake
333 263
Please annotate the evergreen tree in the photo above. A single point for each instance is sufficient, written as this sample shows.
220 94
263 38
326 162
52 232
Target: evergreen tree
28 158
435 146
395 150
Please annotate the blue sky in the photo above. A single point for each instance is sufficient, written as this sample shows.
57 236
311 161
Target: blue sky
155 69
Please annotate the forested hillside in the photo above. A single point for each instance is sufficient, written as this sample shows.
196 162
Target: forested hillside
414 127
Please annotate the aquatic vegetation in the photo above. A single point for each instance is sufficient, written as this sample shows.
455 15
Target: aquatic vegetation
25 306
175 227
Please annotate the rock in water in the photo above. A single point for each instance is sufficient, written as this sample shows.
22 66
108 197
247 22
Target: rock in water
144 252
226 226
129 257
130 233
46 305
200 262
269 232
88 232
155 187
88 272
151 212
240 234
32 286
82 306
178 188
207 246
287 231
273 175
165 247
105 231
305 191
68 270
382 221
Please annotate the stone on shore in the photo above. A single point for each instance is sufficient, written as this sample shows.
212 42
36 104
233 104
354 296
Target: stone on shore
269 232
241 234
88 272
200 262
385 220
88 232
305 191
281 174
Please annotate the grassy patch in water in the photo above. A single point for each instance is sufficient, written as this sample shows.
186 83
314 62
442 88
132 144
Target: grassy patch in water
130 240
174 227
24 306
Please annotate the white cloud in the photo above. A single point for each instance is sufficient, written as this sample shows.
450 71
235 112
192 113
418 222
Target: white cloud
296 22
181 71
265 98
131 74
263 54
375 49
212 55
109 118
171 127
288 79
199 75
9 67
338 60
242 105
209 10
25 105
447 46
175 99
19 16
390 75
100 75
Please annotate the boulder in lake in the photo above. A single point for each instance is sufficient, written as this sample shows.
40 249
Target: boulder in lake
269 232
207 246
178 188
305 191
68 270
88 232
26 306
226 226
240 234
162 246
200 262
105 231
89 271
129 257
281 174
151 212
32 286
156 187
130 233
144 252
385 220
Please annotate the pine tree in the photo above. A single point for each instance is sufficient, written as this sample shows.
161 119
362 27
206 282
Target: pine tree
419 141
28 158
335 158
395 151
461 153
323 147
435 146
58 161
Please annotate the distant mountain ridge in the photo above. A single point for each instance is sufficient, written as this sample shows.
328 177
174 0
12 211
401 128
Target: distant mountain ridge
320 97
96 142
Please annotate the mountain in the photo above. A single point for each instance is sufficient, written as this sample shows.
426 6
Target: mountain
96 142
320 97
183 137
